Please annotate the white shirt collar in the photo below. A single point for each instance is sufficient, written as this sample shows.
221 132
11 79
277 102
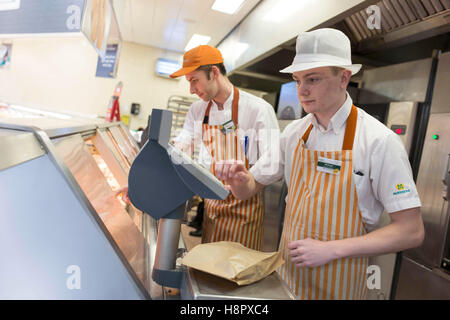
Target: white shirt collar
339 119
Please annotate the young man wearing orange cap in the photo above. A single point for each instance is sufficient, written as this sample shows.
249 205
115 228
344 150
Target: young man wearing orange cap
228 124
342 167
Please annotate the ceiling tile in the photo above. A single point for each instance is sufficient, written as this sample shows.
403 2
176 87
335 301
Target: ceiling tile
169 24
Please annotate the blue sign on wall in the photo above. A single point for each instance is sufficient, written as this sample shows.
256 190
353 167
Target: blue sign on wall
32 16
106 68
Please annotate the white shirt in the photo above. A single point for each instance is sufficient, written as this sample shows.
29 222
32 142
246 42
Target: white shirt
378 154
256 119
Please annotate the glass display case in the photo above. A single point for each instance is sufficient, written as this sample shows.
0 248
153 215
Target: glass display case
93 160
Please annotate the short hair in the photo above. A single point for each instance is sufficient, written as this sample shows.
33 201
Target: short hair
207 69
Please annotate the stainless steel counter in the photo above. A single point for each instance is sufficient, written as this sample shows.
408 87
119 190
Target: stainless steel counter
198 285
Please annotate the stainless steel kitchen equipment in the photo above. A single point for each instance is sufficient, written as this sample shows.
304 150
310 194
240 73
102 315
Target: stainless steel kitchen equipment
424 272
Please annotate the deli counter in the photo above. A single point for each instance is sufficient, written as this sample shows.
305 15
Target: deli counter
66 234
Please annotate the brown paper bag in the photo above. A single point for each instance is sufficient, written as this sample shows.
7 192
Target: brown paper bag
233 261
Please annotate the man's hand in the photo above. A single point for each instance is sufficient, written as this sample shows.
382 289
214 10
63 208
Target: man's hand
233 172
124 192
237 179
185 147
311 253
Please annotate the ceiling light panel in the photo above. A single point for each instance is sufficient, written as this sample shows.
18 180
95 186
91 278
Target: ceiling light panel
227 6
196 40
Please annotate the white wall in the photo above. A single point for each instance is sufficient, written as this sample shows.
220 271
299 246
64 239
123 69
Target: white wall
58 74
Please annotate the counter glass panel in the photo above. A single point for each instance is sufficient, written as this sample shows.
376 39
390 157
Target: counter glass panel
122 143
115 168
98 188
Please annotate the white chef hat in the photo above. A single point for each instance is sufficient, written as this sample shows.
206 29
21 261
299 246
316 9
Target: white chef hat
322 48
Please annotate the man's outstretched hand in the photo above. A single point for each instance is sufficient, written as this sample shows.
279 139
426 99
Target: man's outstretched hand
237 178
124 192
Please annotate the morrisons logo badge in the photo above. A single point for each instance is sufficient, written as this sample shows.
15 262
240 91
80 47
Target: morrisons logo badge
400 187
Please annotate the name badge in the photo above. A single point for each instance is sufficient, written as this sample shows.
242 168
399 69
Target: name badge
329 165
227 127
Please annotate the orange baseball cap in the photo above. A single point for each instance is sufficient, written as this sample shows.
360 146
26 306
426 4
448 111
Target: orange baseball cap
197 57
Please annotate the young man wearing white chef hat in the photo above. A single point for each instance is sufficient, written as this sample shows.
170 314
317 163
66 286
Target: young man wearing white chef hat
342 168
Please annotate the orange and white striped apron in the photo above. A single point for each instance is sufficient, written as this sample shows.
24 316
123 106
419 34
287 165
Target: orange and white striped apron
324 206
230 219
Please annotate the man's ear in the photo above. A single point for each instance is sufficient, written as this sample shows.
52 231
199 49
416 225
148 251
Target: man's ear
345 78
215 72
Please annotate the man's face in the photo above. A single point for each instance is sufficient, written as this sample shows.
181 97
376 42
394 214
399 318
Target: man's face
200 85
319 90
